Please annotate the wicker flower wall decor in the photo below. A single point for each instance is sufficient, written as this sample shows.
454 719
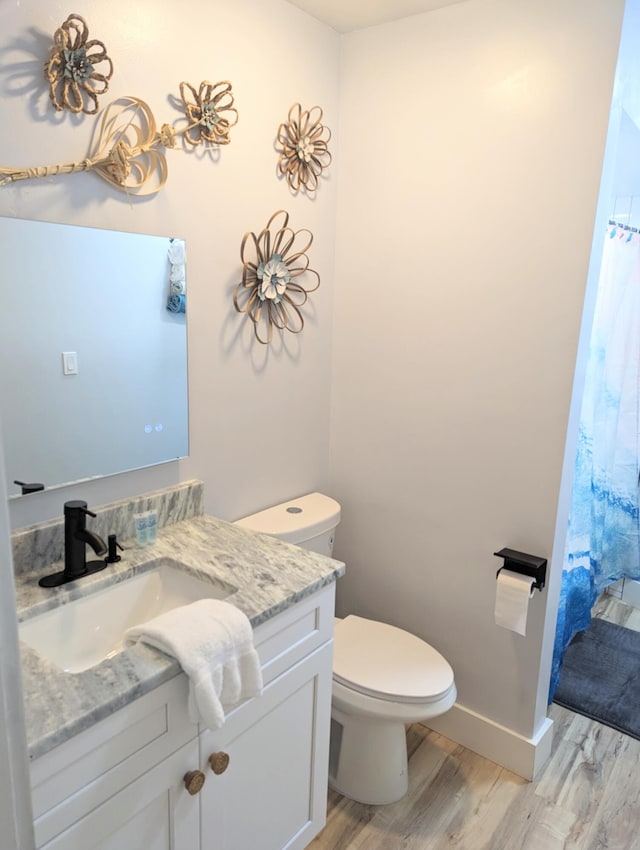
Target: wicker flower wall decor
302 143
128 151
271 292
206 110
72 68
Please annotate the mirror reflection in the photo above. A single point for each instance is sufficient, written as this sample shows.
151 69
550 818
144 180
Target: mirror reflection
94 366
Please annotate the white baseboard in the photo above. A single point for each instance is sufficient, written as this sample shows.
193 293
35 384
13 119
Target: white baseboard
524 756
631 592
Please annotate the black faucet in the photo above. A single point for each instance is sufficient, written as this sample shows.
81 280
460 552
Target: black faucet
76 537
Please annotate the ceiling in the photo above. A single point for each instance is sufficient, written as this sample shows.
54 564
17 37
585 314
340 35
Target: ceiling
348 15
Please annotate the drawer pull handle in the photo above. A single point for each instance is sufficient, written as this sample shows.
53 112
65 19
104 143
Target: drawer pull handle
193 781
219 762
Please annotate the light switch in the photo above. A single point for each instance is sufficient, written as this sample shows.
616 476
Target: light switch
69 363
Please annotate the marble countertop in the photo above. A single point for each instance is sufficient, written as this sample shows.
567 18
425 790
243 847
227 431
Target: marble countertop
270 576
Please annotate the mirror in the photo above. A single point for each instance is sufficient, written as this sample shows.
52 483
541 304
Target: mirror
94 366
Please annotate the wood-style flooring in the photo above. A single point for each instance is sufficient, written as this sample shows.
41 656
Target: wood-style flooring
587 798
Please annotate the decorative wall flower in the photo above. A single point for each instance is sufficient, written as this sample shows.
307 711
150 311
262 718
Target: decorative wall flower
274 277
210 112
128 149
302 143
270 291
74 81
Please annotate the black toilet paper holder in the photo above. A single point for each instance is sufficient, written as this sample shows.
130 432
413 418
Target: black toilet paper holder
526 565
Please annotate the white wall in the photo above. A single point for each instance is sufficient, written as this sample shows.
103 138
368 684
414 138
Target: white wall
471 151
259 416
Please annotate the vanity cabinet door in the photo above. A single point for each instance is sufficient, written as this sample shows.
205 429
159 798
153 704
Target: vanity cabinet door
155 812
271 758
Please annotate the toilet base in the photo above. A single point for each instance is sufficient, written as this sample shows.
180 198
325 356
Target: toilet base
369 758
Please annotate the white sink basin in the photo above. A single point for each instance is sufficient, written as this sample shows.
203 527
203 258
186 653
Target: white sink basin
82 633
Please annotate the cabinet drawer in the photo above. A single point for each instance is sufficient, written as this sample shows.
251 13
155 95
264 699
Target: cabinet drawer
74 778
286 638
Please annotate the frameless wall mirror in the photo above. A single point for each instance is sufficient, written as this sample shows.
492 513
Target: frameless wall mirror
93 379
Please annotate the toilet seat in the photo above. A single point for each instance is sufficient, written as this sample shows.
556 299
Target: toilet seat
388 663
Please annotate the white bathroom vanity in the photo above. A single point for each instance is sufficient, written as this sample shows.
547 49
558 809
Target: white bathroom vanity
115 761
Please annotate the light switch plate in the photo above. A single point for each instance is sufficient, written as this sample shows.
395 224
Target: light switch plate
69 363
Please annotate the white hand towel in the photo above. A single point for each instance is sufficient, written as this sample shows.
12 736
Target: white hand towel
213 641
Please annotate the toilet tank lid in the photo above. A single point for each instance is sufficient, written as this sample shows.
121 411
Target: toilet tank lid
296 520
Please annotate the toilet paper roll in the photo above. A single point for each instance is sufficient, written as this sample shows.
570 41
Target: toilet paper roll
513 592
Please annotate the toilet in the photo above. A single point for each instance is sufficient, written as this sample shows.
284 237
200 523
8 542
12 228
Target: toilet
383 677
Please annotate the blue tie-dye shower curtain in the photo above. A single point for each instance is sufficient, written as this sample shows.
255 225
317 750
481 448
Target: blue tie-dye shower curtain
603 535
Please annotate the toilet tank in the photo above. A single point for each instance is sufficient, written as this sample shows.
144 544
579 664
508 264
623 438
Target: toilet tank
309 521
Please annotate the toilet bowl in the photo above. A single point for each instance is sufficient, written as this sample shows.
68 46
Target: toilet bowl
383 676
